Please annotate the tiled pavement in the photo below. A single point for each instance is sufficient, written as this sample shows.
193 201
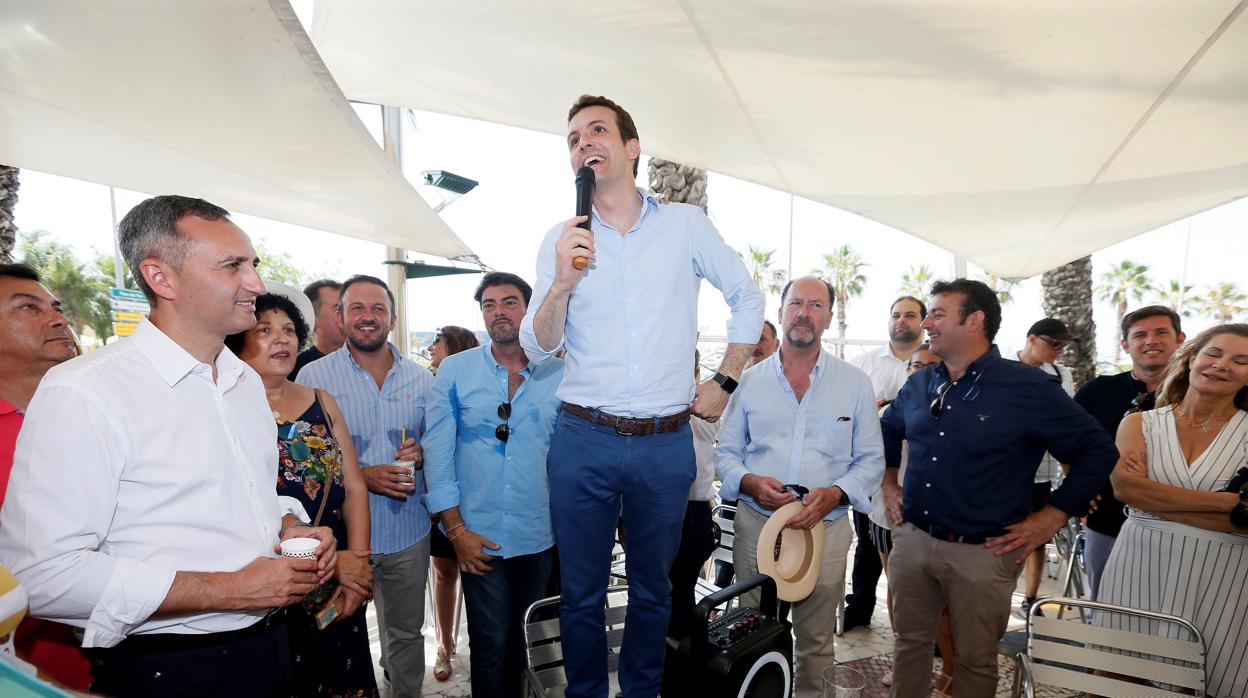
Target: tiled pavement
867 649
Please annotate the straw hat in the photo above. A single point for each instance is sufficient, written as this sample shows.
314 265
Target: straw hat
796 569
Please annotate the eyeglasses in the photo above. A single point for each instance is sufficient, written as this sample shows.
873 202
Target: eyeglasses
916 366
1141 403
503 431
1057 344
938 403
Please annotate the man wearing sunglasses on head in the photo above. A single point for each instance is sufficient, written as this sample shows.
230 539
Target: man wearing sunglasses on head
977 428
490 422
1150 336
1046 341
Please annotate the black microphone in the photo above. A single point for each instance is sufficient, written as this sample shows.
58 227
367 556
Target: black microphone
584 201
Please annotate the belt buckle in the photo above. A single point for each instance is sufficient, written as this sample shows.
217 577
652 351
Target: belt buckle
619 426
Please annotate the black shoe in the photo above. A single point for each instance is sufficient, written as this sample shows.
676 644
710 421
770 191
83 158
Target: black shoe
854 620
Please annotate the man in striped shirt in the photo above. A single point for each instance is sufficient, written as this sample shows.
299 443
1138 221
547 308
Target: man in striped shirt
384 397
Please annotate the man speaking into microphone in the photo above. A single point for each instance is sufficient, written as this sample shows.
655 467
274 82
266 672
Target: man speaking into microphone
623 445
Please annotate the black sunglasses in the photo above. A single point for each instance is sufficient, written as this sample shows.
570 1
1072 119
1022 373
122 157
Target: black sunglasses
1141 403
938 403
503 432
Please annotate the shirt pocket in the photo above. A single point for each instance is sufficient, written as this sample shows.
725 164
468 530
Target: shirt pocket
835 438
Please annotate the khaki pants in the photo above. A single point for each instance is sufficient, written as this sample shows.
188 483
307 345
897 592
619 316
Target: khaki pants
814 619
926 575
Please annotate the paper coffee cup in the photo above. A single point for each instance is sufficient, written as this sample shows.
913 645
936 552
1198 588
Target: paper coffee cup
304 548
409 465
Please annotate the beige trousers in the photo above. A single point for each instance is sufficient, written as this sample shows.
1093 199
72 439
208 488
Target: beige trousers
814 619
926 575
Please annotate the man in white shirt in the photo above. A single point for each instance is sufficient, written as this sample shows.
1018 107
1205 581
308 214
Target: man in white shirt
1047 340
142 507
887 367
802 417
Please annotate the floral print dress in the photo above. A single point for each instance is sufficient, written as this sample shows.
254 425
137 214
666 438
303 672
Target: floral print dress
334 661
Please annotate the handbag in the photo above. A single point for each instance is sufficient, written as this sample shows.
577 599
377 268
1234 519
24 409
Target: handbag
316 603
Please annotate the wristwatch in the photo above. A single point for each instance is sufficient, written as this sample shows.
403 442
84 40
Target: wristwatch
726 382
1239 515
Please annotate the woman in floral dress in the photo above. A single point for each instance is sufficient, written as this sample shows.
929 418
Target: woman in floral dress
317 465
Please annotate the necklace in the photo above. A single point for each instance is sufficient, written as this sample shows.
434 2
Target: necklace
1203 427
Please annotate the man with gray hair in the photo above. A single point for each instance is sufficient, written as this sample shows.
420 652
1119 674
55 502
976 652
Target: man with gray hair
141 507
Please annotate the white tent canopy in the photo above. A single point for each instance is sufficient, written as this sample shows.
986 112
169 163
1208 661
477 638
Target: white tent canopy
227 101
1019 135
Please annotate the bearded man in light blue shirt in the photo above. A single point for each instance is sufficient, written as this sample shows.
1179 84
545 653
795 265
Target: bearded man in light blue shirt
623 445
802 417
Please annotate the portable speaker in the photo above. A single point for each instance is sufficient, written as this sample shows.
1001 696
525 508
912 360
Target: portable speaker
745 653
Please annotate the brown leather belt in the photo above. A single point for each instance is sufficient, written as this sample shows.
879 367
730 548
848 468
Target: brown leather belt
630 426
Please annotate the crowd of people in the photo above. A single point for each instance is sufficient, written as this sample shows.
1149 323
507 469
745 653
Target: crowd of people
157 484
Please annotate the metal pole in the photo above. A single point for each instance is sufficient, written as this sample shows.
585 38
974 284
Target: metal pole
392 141
119 274
1187 249
790 236
959 266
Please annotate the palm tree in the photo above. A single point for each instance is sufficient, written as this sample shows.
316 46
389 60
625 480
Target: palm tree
673 182
78 286
1068 297
1003 287
916 282
768 280
843 269
8 202
1223 302
1177 296
1122 283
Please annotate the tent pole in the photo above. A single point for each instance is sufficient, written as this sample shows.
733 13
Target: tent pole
119 274
392 141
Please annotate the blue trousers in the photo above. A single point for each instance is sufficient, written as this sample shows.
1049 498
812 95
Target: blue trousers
496 602
596 476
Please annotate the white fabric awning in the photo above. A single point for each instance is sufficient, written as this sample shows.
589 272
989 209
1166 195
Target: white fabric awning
1019 135
225 100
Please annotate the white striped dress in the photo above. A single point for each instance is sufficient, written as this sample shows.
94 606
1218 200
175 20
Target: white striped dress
1183 570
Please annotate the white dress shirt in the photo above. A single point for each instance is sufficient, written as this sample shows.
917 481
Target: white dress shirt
832 437
133 465
1050 470
632 319
887 372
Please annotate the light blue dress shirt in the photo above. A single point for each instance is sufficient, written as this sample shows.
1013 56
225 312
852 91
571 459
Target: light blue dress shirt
632 320
500 488
832 437
377 420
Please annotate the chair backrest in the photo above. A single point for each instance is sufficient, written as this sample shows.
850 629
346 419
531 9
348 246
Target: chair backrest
1165 652
544 651
723 516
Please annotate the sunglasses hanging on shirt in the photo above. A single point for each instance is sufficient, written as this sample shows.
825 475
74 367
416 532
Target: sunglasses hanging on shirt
503 431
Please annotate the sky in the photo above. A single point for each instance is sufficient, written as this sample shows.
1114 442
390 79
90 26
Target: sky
526 188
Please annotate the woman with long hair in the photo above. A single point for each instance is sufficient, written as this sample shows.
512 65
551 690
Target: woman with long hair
317 466
1184 548
449 340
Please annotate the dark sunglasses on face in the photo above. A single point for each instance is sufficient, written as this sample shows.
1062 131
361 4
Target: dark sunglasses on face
503 431
1057 344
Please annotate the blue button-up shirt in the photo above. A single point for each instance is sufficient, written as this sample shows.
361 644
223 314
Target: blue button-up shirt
831 437
632 320
377 420
500 488
970 472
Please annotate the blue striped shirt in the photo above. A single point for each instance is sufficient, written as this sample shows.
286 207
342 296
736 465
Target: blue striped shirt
500 488
377 419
